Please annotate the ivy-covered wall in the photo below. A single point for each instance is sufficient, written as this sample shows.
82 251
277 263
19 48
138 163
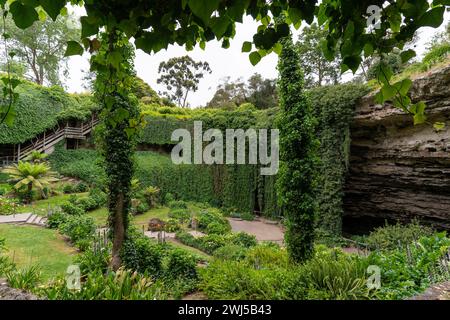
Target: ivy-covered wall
40 108
333 107
240 187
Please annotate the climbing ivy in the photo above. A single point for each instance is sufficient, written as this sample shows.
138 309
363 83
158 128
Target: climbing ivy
40 108
334 109
297 155
113 65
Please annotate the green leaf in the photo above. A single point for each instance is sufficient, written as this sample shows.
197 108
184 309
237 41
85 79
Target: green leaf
388 92
295 15
277 48
53 7
418 110
203 8
384 74
407 55
87 29
368 49
439 126
352 62
73 49
23 15
255 58
432 18
219 25
115 58
247 46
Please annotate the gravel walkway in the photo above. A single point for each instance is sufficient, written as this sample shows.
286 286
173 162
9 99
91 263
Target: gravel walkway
263 230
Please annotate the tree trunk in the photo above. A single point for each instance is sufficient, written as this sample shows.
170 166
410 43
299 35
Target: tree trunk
30 193
119 233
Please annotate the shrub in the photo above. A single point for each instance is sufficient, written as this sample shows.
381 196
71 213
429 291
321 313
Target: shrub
168 198
120 285
172 225
87 203
98 196
211 243
56 219
247 216
181 215
140 254
151 196
80 230
217 228
5 189
231 252
24 279
187 239
181 264
81 187
177 204
72 209
393 236
8 205
411 269
244 239
236 280
205 218
93 260
139 207
68 189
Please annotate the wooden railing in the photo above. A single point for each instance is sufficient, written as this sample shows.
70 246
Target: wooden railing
48 140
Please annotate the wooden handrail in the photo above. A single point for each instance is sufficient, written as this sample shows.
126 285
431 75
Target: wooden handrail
59 133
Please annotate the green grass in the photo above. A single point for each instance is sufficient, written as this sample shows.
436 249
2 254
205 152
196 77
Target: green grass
29 245
40 207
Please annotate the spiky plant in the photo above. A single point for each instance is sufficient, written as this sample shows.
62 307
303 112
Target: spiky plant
36 157
30 175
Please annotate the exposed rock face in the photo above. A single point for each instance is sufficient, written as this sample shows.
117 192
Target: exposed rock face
400 171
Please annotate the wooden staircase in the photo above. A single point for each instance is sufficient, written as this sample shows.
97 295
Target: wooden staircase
48 139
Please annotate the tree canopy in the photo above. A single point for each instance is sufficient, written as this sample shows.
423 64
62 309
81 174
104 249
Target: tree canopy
181 75
40 48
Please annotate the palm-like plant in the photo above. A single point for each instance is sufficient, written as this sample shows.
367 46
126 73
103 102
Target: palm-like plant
30 175
36 157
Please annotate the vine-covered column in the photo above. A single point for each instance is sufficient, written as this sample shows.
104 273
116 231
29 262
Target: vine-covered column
297 156
120 123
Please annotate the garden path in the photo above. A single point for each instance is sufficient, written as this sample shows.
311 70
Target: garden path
263 230
24 218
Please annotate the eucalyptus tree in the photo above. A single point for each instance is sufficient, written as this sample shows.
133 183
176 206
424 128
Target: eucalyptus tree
157 24
181 75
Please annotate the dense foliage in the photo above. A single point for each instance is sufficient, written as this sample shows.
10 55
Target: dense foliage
297 155
333 107
39 109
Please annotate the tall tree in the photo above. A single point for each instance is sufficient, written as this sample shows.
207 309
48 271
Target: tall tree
262 92
297 152
259 91
40 48
180 76
318 70
229 94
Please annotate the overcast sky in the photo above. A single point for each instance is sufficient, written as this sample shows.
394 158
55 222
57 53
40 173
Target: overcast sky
229 62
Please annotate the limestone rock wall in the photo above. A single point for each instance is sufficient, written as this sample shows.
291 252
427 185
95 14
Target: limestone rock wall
399 171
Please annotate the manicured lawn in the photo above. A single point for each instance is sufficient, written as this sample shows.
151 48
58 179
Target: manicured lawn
29 245
41 207
101 216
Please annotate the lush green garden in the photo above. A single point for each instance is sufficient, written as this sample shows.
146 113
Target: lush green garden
114 218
